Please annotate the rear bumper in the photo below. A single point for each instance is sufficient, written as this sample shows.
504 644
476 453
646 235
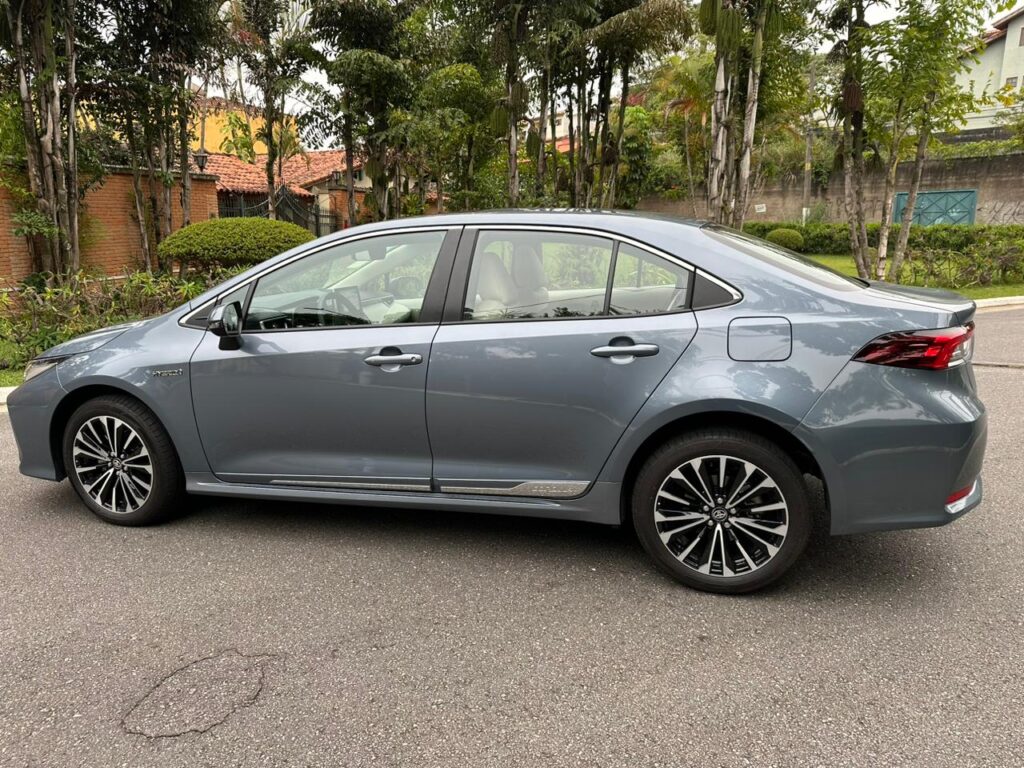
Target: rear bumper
894 444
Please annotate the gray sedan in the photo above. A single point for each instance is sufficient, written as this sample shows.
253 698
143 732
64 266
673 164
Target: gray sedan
609 368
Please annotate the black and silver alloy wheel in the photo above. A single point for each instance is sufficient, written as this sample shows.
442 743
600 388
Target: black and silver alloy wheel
113 464
721 515
121 461
721 510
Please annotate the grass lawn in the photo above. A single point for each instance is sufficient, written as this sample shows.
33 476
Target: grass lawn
845 265
10 377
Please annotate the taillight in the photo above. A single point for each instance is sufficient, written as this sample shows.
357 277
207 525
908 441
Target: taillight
934 350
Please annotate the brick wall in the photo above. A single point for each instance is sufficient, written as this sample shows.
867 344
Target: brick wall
339 204
110 232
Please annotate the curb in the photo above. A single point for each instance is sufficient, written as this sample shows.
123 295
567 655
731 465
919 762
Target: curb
1002 301
4 392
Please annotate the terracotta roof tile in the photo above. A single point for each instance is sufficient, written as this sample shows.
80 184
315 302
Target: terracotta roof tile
240 177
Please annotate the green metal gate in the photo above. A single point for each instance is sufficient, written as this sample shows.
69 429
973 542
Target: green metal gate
942 207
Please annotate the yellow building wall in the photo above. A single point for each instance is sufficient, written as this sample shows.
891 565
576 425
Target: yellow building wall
216 123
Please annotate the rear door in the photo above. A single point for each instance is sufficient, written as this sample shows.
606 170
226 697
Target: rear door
553 340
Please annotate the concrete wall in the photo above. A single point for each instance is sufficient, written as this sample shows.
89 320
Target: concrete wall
110 232
999 182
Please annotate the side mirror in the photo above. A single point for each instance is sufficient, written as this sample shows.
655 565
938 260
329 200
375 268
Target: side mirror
226 322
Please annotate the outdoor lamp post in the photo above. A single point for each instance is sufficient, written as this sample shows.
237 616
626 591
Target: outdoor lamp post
201 157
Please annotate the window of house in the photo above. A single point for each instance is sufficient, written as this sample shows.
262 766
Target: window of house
1022 35
357 174
1011 82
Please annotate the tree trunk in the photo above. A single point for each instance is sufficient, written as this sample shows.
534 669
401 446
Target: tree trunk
140 204
350 156
33 159
185 169
573 181
689 163
70 55
600 143
750 116
899 254
512 96
808 148
620 130
52 142
717 163
848 195
542 127
555 159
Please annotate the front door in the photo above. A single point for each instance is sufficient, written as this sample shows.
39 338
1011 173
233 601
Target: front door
562 338
327 387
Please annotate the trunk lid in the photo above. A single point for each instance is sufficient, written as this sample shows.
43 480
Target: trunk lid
960 307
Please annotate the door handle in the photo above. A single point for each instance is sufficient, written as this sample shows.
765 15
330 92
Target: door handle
393 362
625 352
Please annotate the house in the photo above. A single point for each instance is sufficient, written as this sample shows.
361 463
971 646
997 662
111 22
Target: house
999 65
312 188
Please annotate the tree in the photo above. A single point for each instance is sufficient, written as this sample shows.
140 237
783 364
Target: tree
40 36
272 43
932 36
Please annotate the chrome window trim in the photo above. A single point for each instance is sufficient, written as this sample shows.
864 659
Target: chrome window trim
313 250
606 235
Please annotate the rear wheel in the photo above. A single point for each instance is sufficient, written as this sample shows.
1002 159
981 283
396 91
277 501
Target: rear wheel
121 462
722 510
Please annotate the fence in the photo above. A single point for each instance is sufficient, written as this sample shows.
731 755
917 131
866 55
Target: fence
289 207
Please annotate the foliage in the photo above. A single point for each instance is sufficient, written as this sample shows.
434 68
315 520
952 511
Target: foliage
635 159
232 242
37 315
239 140
787 238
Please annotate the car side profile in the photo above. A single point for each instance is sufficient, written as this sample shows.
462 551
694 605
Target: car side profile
602 367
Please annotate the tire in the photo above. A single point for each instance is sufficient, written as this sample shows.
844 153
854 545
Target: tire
115 488
687 504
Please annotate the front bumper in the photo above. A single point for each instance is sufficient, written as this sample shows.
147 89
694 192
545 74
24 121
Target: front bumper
31 407
894 444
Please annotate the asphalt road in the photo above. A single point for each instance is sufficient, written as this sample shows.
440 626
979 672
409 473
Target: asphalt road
288 635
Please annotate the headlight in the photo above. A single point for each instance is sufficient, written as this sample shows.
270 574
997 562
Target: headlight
42 365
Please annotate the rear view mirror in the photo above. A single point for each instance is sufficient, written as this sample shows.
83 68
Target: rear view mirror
226 322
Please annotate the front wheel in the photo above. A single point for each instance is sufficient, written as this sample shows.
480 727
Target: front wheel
121 462
722 510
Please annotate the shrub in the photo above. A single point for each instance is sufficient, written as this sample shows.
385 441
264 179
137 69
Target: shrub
231 242
787 238
36 316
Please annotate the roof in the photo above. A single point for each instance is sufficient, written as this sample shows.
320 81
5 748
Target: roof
1004 22
306 170
298 172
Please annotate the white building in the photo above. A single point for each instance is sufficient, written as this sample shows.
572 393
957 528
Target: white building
1000 65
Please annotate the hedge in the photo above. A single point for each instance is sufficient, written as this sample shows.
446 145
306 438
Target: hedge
834 239
231 242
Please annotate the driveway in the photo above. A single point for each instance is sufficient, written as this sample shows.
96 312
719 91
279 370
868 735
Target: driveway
280 634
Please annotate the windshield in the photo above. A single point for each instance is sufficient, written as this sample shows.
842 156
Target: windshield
784 258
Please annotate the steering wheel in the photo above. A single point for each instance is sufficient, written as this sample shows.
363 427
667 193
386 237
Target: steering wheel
337 303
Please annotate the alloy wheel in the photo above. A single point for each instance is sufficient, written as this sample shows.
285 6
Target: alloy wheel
721 515
112 464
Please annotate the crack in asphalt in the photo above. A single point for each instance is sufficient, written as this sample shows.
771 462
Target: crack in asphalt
997 365
163 711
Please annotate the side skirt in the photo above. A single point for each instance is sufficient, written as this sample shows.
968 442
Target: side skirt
599 505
